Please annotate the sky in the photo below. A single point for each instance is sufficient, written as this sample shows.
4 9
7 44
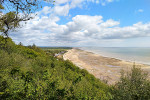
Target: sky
80 23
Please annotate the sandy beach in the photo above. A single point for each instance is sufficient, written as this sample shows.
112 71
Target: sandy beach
104 68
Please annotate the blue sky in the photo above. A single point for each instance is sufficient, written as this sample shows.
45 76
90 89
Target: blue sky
106 23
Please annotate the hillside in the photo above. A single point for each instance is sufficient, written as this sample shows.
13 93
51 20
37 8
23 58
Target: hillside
30 73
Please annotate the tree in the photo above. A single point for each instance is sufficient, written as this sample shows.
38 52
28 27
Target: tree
12 12
20 44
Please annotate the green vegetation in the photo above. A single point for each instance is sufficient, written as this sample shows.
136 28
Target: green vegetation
29 73
13 12
132 86
55 50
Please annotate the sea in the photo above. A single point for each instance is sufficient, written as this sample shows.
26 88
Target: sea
132 54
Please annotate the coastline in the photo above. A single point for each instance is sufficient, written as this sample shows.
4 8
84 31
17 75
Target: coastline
103 68
125 57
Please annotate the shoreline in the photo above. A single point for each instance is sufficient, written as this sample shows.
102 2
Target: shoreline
117 57
103 68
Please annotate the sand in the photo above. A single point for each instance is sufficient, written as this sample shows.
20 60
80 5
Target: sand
103 68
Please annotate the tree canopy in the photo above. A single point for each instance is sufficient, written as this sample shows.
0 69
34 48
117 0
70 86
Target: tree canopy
12 12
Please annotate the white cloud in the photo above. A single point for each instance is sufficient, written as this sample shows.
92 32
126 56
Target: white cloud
102 2
62 7
46 10
76 3
109 0
110 23
62 10
82 30
97 1
61 1
140 10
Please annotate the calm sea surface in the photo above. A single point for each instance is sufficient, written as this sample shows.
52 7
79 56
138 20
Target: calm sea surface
140 55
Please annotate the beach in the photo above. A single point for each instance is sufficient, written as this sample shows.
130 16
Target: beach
104 68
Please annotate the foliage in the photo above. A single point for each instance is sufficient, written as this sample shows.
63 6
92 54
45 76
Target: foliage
29 73
8 45
8 22
12 12
55 48
133 86
52 52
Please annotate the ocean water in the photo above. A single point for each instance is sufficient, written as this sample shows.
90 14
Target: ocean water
132 54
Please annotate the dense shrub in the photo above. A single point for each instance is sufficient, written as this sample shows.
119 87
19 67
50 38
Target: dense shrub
132 86
28 73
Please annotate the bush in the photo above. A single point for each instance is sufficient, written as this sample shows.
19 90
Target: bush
132 86
7 44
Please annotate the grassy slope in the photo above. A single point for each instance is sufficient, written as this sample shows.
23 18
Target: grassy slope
29 73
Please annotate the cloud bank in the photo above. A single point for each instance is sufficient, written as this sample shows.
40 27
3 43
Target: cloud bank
44 29
82 29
